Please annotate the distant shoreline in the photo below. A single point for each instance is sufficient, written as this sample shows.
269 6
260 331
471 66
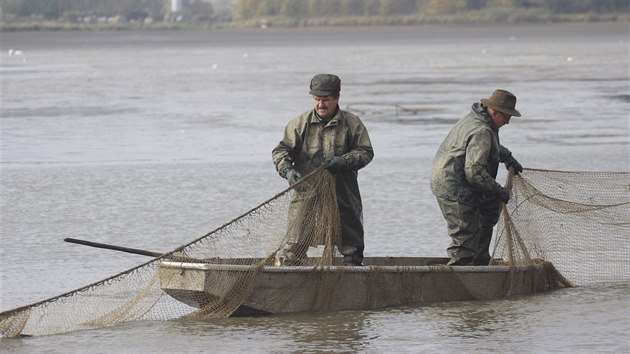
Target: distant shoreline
513 17
27 41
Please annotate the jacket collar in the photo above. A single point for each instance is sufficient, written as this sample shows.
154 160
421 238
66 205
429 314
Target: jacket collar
482 114
315 118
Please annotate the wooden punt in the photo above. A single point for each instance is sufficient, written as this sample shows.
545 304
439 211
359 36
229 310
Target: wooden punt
382 282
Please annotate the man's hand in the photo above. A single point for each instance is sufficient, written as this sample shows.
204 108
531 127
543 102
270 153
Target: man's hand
293 176
335 164
504 195
512 162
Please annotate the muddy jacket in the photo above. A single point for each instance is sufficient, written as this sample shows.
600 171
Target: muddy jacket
308 142
465 166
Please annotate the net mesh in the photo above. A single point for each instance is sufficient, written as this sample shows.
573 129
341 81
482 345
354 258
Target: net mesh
578 221
561 228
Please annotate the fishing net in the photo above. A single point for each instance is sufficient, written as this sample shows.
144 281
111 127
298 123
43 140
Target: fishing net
577 221
562 228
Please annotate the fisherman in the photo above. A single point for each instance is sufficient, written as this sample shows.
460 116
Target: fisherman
338 140
463 177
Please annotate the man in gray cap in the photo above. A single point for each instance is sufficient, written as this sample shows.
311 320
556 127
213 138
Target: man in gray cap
338 140
463 177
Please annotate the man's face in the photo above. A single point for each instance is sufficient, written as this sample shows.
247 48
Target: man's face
500 119
325 106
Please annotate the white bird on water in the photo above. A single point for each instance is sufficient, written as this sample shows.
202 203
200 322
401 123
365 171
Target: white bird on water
17 52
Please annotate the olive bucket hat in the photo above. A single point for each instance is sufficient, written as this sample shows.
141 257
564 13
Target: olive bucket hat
502 101
325 85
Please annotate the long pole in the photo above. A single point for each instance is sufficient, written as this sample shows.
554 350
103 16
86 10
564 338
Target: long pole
113 247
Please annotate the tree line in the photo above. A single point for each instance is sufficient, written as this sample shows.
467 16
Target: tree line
250 9
123 10
247 10
58 9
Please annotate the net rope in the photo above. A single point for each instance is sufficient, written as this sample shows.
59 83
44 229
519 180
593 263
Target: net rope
576 223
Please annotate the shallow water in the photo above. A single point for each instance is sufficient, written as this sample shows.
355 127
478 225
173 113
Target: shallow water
151 139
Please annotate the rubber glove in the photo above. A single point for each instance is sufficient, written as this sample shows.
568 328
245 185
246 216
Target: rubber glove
335 164
510 161
293 176
504 195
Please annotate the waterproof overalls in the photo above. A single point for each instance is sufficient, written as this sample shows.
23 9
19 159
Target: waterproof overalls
308 141
463 181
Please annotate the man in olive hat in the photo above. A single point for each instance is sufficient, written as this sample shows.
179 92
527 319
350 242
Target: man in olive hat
463 177
329 136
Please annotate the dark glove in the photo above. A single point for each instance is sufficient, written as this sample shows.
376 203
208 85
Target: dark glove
335 164
504 195
510 161
293 176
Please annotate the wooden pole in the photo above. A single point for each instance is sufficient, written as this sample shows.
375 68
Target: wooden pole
113 247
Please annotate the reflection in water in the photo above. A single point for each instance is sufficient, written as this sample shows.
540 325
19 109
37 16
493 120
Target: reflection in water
339 332
475 320
591 317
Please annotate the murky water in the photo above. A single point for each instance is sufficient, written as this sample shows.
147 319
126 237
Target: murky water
151 139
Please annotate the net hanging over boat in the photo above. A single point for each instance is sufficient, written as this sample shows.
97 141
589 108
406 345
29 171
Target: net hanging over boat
576 223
